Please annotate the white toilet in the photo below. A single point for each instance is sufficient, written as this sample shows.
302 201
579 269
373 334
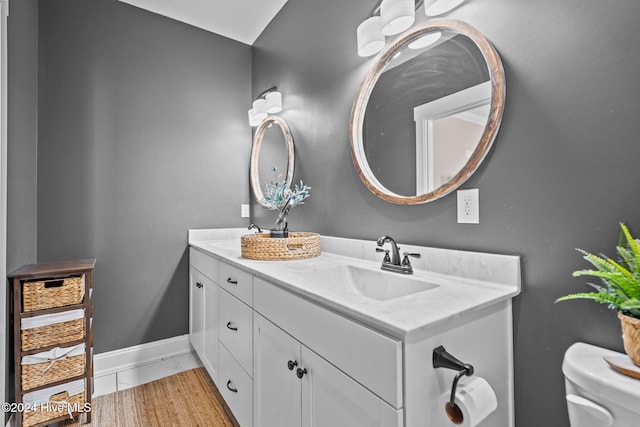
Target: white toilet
598 396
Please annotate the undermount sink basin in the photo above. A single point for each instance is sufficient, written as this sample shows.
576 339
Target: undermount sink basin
375 284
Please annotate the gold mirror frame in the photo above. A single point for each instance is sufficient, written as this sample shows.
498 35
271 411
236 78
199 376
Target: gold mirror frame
498 91
255 154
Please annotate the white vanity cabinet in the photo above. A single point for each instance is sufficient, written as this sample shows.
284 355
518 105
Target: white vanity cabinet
365 357
204 309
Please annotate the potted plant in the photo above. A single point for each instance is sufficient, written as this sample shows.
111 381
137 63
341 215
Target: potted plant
279 196
620 288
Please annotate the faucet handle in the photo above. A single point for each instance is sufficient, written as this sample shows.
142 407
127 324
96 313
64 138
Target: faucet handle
386 258
405 260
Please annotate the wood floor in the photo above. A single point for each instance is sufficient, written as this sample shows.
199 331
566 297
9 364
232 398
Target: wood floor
188 399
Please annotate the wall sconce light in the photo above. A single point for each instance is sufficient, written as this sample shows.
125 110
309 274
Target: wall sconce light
370 37
438 7
397 16
268 102
391 17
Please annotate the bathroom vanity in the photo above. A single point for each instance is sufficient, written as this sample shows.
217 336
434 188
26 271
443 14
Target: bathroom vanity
333 340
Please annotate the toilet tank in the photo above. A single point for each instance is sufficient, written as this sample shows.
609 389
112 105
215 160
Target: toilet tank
597 395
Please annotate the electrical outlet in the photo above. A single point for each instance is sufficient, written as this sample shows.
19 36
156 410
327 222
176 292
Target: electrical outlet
469 206
244 211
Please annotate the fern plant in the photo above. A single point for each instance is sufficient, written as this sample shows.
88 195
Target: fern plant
620 288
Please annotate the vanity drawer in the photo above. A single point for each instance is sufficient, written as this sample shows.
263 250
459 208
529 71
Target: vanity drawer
205 264
236 329
236 388
372 359
237 282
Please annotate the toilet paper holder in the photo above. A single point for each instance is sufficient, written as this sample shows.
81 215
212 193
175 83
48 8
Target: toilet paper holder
443 359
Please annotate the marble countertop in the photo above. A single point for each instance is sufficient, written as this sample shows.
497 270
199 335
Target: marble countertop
466 281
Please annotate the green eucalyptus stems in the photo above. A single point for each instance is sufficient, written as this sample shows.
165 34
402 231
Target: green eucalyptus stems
279 196
620 288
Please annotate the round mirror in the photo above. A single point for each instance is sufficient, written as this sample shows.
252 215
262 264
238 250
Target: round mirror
272 155
427 112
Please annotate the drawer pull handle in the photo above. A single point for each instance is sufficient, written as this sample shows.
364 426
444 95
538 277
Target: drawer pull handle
199 284
235 390
301 372
229 326
230 280
291 364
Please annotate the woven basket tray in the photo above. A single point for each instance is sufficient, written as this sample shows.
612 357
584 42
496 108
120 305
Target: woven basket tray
50 412
39 374
299 245
41 294
54 334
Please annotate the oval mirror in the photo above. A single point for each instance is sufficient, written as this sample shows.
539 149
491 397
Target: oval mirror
272 155
427 112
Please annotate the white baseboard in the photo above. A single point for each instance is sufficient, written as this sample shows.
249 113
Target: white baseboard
132 366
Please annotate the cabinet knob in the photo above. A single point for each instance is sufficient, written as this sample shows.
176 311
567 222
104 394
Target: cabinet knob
230 280
199 284
291 364
235 390
301 372
230 326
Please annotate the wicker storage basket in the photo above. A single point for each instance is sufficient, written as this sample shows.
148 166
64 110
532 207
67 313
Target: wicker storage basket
41 294
299 245
631 336
39 374
57 408
54 334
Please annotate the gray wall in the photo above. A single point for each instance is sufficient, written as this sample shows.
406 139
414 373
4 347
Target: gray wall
562 172
142 135
22 132
22 112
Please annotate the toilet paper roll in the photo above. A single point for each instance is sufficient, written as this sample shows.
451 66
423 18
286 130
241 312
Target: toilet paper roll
475 399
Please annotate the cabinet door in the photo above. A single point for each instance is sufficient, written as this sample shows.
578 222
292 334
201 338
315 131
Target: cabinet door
276 388
330 398
210 328
196 310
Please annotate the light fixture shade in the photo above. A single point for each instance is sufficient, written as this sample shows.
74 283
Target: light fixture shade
438 7
370 37
260 109
274 102
252 118
397 16
426 40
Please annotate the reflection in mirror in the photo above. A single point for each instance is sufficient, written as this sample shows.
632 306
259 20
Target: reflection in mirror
272 148
273 155
427 112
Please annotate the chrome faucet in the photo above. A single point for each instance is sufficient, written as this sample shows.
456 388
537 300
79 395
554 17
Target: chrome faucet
393 263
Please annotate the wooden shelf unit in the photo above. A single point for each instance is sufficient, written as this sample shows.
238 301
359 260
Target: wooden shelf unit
53 270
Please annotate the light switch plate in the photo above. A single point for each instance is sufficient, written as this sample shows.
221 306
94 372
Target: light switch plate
469 206
244 211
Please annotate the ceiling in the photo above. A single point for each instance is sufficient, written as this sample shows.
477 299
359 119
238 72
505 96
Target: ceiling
241 20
